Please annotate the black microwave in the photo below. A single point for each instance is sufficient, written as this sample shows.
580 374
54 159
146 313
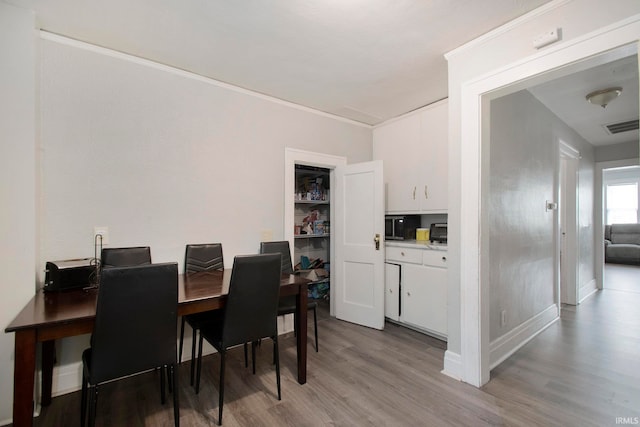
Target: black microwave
401 227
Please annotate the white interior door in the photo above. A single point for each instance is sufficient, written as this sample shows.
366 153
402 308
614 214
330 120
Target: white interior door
568 205
358 277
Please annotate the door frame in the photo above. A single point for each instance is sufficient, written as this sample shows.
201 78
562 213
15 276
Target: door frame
474 229
292 157
599 211
568 164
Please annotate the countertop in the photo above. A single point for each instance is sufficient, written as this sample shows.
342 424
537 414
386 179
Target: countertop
416 244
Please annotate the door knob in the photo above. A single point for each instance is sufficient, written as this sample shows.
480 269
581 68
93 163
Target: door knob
377 241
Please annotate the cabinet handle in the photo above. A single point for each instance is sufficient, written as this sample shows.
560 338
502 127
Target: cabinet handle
444 258
414 193
390 291
408 294
426 192
402 253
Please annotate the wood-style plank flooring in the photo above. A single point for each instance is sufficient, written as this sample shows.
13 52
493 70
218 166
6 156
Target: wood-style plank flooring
582 371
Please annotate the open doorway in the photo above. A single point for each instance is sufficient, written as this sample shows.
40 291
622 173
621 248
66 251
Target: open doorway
539 200
621 217
478 344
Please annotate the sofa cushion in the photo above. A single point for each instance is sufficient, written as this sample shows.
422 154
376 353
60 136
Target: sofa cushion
623 253
625 234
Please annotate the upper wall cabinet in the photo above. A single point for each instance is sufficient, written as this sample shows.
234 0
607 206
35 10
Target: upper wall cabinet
414 151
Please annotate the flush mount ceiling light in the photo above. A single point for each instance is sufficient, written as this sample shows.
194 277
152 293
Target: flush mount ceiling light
604 96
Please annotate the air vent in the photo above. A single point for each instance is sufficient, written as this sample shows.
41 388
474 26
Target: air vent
622 127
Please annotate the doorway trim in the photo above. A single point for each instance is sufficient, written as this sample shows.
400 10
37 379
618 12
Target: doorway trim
474 280
567 229
599 211
293 157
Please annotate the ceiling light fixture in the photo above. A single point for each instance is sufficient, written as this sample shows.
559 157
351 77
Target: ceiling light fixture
604 96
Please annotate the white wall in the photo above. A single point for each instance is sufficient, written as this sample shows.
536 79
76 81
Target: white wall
625 150
17 181
160 156
521 236
505 49
523 163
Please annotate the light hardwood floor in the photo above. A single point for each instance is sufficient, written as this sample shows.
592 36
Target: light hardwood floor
582 371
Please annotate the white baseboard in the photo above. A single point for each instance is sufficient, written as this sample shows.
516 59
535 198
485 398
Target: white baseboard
66 379
452 365
587 290
503 347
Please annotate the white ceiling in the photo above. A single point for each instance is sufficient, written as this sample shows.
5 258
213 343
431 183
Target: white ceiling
566 97
366 60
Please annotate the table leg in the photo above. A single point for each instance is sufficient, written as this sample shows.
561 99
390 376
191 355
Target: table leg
301 302
23 377
48 356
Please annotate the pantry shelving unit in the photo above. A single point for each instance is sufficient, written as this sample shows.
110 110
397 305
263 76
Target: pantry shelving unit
312 216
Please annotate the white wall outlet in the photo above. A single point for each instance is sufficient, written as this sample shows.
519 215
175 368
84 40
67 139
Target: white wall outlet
546 38
266 235
101 231
503 317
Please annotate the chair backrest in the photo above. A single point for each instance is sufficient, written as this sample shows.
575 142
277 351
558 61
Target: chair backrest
136 315
125 257
203 257
251 309
281 247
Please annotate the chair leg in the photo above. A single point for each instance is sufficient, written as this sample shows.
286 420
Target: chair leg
221 396
315 327
277 355
253 356
162 390
193 352
83 407
93 406
176 399
199 365
181 340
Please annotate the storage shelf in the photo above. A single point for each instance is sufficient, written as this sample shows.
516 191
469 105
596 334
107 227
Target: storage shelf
311 202
310 236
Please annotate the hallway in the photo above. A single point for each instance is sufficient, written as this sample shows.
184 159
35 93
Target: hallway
587 365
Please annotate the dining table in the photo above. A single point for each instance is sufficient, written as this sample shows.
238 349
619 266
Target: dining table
49 316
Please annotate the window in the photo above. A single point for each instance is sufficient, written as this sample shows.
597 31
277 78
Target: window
622 203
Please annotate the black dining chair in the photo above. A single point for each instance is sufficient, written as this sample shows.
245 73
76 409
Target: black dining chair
199 258
288 304
125 257
135 330
250 313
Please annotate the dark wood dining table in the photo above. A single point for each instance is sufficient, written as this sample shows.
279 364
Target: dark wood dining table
49 316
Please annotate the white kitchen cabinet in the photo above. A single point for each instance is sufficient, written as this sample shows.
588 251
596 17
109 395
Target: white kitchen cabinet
423 287
395 144
424 297
414 151
392 291
434 142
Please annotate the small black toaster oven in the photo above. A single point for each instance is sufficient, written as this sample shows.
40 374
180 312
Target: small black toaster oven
438 232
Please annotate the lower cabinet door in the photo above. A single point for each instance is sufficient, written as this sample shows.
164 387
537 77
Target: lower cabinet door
392 291
424 297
